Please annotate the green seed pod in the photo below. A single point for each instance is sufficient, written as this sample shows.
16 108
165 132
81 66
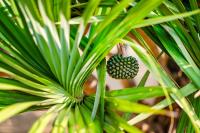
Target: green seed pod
120 67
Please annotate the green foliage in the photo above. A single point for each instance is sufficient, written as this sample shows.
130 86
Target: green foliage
48 57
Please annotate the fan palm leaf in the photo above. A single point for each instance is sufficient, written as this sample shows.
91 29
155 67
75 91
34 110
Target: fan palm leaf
48 56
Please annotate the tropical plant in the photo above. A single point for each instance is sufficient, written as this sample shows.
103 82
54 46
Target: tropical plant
50 49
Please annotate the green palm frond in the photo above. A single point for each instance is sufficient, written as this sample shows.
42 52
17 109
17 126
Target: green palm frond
180 41
50 48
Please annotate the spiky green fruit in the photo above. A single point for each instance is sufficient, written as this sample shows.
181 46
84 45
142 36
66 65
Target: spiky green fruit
120 67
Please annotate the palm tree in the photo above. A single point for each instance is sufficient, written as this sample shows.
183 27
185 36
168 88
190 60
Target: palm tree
50 49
